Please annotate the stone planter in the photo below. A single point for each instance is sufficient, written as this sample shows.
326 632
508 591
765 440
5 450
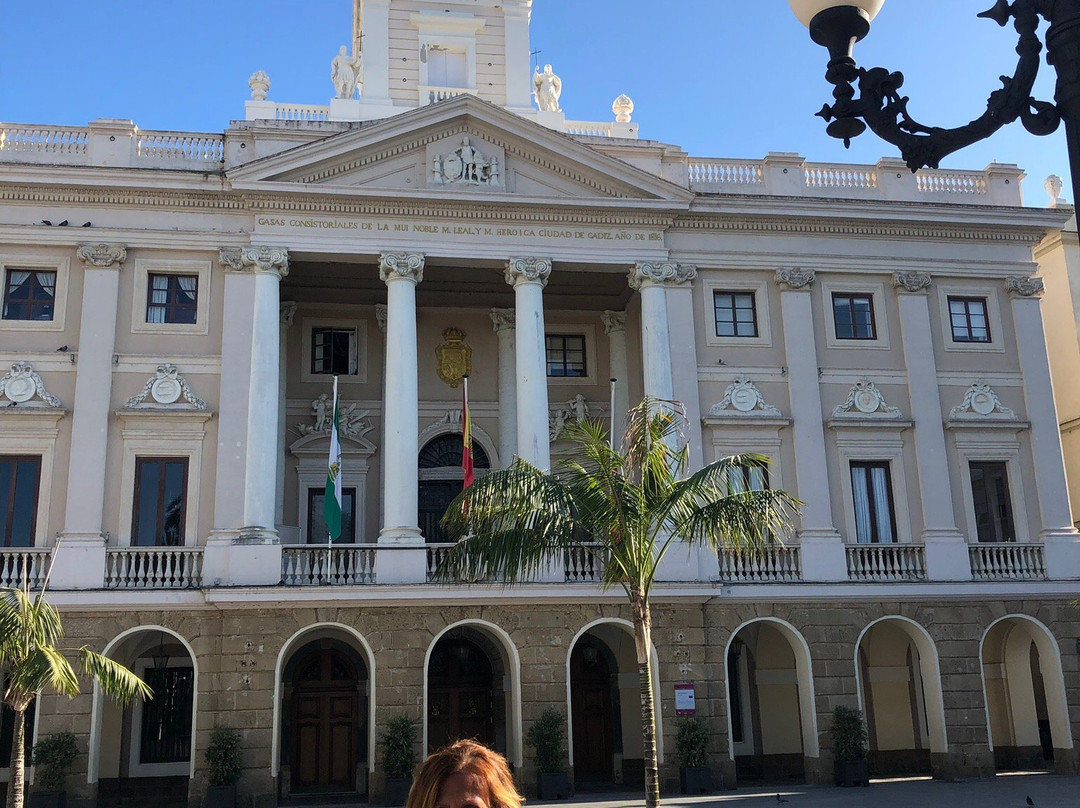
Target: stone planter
552 786
47 799
853 773
695 780
220 797
397 790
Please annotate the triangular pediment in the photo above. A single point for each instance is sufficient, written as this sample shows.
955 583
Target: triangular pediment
455 149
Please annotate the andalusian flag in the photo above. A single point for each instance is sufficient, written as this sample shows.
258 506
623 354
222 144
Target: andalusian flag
332 499
466 434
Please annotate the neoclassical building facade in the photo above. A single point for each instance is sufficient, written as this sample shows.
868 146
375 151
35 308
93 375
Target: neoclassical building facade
164 430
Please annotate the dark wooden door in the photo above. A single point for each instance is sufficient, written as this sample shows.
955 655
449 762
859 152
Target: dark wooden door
590 692
435 497
325 724
460 694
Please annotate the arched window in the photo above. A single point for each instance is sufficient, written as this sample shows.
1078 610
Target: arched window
441 479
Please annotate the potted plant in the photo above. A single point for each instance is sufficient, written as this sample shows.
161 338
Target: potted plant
223 759
691 746
51 758
398 741
546 735
849 738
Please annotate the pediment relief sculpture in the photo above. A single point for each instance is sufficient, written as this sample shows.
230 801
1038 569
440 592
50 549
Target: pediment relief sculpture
981 403
164 390
864 400
352 421
743 399
22 387
466 165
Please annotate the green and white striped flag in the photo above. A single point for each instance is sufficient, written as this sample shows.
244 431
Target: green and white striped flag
332 499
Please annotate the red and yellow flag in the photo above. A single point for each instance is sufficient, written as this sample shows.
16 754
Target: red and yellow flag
466 434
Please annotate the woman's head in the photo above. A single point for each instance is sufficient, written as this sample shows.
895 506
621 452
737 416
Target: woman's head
464 775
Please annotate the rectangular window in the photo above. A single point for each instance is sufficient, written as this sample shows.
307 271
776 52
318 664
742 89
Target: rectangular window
166 718
172 298
853 316
736 314
316 526
993 508
160 501
875 517
19 481
968 318
566 355
29 294
333 351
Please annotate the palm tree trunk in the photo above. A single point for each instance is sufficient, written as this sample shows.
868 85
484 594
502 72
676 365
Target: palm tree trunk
15 787
643 642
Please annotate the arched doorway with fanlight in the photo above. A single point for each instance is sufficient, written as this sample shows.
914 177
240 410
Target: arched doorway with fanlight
442 479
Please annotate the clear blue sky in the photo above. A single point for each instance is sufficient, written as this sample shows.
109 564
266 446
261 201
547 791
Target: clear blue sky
720 78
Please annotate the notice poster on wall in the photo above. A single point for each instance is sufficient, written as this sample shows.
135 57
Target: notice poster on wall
684 699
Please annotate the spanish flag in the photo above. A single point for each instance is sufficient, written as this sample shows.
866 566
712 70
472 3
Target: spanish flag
466 434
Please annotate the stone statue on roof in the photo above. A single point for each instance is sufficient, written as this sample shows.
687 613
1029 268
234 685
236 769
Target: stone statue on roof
346 73
547 88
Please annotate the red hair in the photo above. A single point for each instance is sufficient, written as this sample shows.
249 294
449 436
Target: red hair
465 756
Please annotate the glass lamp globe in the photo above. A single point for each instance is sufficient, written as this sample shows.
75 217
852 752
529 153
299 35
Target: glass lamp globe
806 10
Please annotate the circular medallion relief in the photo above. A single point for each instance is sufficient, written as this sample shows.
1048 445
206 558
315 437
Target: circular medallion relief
743 399
20 389
866 401
165 391
982 403
453 167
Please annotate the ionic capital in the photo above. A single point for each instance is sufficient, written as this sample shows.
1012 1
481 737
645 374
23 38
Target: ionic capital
914 283
102 256
614 321
1024 286
795 278
667 273
503 320
381 310
528 270
286 311
258 259
401 266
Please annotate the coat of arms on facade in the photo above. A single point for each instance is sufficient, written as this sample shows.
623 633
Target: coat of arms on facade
466 166
454 357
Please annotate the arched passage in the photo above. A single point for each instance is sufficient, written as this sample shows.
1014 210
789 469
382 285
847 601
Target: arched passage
146 747
899 681
1026 709
472 689
323 713
605 744
772 725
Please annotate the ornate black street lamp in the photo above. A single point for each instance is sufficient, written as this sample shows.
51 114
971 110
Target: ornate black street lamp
838 26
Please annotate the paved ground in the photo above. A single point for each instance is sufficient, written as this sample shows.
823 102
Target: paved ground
1045 790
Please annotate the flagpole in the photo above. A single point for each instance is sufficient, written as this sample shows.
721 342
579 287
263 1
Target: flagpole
329 535
611 428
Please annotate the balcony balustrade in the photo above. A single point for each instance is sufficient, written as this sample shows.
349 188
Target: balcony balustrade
24 565
1007 562
318 565
879 563
153 568
773 564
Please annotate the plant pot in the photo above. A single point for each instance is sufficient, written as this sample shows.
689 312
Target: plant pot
552 786
397 790
853 773
695 780
220 797
47 799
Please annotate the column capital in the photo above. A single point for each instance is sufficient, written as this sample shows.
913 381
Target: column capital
795 278
257 259
913 283
286 312
401 266
380 315
614 321
102 256
503 320
667 273
1024 286
527 270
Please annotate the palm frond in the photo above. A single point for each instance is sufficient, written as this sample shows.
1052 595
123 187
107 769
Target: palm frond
115 680
42 667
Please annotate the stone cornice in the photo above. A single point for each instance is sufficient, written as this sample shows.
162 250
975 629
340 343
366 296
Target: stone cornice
125 196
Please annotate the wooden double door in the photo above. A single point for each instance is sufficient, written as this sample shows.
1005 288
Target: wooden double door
326 721
461 696
592 720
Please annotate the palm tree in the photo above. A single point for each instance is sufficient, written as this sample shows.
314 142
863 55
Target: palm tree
31 661
626 508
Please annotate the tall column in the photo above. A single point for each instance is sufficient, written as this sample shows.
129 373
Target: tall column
1061 540
401 272
287 313
81 562
823 554
503 321
380 321
529 276
650 280
615 328
946 548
